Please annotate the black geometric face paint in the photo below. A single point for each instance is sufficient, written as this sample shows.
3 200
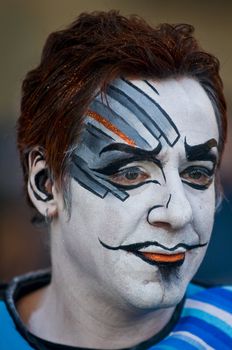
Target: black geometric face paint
200 177
167 253
40 180
125 126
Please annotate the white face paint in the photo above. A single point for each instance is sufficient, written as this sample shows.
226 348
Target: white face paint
143 196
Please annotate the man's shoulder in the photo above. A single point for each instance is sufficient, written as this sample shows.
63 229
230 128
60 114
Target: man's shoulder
10 338
205 321
13 334
219 297
212 306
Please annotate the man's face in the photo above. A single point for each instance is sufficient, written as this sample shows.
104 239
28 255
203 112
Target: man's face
143 194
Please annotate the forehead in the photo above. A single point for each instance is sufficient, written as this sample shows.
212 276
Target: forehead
137 120
144 113
189 107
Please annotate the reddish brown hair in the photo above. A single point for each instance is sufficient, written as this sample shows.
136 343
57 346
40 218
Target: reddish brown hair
94 50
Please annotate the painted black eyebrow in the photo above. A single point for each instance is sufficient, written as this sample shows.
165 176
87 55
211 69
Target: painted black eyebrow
122 147
138 154
114 166
201 151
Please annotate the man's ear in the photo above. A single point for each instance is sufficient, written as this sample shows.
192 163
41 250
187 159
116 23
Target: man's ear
40 185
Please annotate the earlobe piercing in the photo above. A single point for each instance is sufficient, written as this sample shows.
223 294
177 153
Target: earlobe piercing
48 219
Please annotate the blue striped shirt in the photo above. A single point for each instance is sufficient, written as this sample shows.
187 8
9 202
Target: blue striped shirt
205 322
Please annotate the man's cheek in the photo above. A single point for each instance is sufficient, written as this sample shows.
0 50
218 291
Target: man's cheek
203 213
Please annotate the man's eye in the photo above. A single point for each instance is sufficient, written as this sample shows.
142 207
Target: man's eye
129 176
201 177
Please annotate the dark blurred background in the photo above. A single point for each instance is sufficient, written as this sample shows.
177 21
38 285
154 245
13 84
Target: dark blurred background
24 26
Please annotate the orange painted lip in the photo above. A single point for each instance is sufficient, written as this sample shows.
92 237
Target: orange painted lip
163 258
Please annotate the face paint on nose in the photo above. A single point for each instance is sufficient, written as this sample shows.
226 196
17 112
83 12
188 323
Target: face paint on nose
125 116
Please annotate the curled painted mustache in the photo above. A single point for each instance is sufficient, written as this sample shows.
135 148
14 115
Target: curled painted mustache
136 246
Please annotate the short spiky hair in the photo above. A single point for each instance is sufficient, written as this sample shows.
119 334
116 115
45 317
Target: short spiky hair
94 50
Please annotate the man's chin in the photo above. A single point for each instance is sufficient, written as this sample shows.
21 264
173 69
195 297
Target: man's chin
154 295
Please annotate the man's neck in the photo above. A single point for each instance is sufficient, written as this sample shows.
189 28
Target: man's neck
60 315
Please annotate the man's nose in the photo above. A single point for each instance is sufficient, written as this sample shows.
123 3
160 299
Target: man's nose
175 210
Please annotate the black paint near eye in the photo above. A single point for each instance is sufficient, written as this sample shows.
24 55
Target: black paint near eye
198 177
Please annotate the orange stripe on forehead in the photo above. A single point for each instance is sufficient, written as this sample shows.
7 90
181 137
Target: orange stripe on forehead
110 127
